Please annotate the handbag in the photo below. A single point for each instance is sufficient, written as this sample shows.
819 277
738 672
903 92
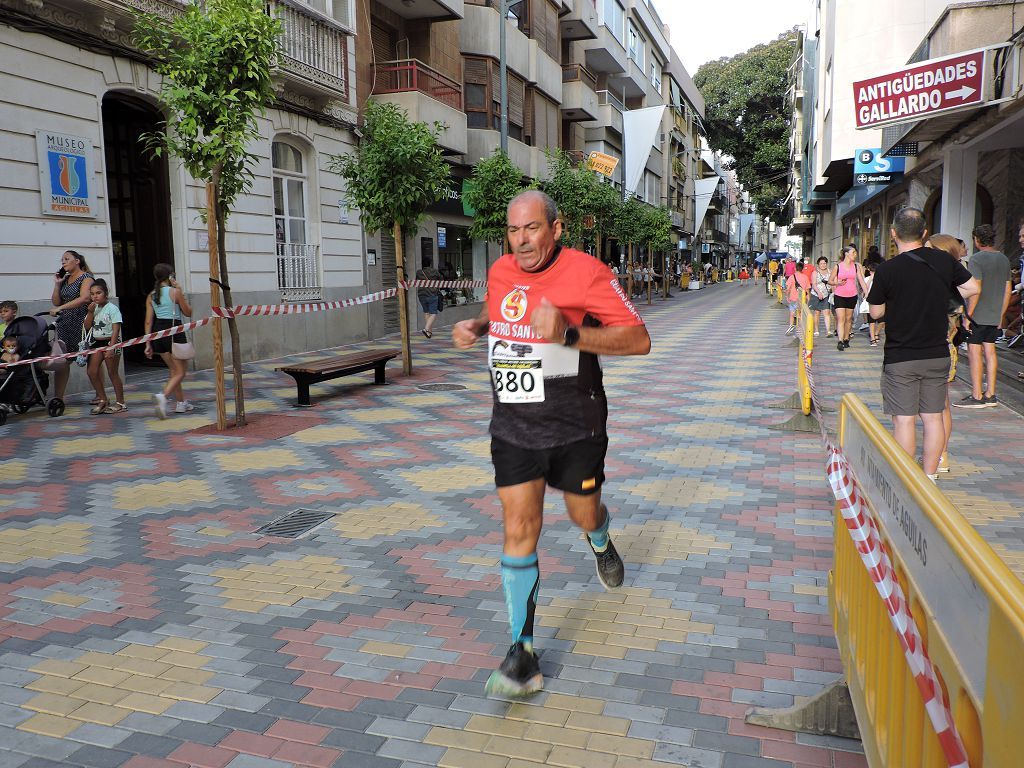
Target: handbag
82 359
56 349
182 351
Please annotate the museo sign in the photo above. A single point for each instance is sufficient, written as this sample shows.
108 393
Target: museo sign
921 90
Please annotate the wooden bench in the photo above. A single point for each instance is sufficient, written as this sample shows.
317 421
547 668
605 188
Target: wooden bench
336 367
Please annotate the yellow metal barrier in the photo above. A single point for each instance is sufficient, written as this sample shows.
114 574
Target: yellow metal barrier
805 328
969 608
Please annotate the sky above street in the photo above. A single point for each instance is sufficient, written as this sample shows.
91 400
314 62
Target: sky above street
703 31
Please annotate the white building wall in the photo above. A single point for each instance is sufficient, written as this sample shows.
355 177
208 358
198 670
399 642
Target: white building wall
49 84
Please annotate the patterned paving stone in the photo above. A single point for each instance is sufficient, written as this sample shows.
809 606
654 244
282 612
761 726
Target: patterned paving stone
144 623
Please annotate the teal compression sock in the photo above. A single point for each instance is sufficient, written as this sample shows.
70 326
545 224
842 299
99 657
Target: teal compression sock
599 536
520 578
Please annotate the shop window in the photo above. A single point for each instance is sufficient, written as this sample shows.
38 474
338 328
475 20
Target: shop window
455 258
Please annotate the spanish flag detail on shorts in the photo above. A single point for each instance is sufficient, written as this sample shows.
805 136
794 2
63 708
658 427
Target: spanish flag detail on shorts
589 484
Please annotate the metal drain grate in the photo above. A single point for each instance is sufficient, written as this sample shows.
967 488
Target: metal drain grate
295 523
441 387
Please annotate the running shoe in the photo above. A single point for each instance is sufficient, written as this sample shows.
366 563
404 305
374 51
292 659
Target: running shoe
518 676
817 333
972 402
183 406
991 401
610 569
160 404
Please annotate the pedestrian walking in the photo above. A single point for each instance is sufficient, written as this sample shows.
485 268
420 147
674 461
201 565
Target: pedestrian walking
912 292
70 299
847 275
103 321
796 281
550 312
819 296
983 317
165 306
429 298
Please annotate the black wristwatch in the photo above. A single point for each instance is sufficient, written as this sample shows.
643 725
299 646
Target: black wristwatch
571 337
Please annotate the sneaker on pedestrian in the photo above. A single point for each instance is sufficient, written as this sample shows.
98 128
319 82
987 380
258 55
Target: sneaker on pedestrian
816 333
610 569
790 330
943 466
518 676
846 343
972 402
991 401
840 346
874 342
184 406
160 404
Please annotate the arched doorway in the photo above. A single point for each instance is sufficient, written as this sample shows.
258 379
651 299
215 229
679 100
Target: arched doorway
138 197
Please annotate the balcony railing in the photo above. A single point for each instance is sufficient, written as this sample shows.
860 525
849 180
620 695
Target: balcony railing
298 272
572 73
403 75
312 46
610 99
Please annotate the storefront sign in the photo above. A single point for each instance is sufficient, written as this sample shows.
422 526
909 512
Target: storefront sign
442 237
602 163
66 174
921 90
869 167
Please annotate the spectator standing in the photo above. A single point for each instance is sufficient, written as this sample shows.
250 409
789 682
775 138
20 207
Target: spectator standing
70 300
429 298
773 270
912 292
874 258
793 283
984 315
950 245
8 311
104 320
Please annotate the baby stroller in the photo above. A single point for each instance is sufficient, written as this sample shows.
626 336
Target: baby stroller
24 386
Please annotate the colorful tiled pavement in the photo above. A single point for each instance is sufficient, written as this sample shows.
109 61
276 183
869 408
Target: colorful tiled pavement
144 624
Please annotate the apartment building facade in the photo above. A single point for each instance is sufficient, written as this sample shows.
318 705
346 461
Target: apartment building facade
962 168
580 74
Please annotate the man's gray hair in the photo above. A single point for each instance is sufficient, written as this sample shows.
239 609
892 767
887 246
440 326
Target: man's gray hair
909 225
550 206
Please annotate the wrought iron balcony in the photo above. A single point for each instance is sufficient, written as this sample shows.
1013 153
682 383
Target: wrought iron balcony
313 49
298 271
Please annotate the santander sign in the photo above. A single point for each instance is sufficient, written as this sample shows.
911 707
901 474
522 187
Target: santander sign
921 90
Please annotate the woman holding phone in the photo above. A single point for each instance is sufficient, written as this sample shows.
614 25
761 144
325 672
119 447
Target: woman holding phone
70 299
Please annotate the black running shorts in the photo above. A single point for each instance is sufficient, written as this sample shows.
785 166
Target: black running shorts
574 468
846 302
983 334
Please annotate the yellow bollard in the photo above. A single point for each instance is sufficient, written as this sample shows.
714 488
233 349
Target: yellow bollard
806 351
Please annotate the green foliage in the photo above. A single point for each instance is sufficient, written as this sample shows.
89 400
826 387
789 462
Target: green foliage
575 189
216 60
397 170
657 228
496 180
747 117
628 224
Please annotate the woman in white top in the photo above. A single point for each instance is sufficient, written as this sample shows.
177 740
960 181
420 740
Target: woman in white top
165 306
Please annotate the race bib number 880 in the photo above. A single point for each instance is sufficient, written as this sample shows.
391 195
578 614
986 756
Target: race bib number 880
518 380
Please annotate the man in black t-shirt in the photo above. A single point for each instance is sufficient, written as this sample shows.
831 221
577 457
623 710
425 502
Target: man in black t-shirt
912 292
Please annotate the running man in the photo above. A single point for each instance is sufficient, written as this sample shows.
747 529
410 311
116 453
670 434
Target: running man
550 311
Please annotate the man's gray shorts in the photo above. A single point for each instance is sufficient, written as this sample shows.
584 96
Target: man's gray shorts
915 386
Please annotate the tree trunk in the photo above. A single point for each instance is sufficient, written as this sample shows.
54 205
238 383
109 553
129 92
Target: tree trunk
218 340
650 270
403 300
664 274
236 346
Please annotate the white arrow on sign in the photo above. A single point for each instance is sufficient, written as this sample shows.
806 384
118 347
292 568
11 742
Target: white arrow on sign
964 93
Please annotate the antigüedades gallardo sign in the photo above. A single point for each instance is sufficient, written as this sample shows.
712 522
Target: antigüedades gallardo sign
959 606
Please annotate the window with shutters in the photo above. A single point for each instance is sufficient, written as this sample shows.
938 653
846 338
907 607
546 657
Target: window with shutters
483 96
544 27
543 120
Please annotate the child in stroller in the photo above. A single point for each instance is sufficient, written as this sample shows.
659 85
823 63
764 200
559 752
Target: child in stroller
25 385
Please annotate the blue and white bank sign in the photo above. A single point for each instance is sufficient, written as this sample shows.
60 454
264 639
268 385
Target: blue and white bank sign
66 174
869 167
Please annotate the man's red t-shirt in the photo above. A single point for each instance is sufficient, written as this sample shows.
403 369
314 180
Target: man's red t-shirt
547 394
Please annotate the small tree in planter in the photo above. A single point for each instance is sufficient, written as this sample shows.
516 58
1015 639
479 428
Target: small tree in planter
605 202
657 226
215 59
394 174
627 228
495 181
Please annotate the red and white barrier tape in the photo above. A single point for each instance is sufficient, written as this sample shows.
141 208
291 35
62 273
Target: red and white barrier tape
866 539
259 310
